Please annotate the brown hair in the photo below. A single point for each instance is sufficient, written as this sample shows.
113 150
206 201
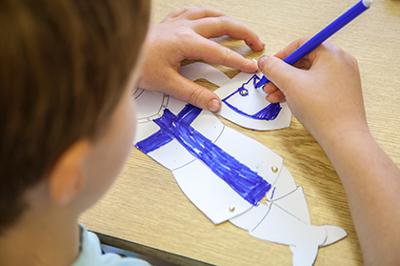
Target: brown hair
64 67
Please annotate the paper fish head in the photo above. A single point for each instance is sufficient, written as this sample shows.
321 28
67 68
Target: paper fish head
250 101
242 102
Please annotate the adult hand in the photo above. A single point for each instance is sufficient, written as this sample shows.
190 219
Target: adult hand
323 90
185 34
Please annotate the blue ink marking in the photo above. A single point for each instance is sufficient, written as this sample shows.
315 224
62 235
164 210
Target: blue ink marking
159 138
270 112
153 142
261 82
247 183
243 92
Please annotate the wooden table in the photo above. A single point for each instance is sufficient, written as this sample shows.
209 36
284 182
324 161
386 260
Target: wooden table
146 207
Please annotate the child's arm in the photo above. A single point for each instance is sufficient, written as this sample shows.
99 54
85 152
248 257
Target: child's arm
184 34
325 95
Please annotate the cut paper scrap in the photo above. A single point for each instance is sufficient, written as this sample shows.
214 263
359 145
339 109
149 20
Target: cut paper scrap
242 102
229 176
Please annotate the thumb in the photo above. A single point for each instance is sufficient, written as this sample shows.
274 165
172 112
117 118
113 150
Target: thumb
191 92
279 72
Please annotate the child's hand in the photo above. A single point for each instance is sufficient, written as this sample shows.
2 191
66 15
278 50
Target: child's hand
323 92
184 34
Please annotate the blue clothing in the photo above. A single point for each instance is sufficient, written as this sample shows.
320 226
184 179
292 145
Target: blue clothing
91 254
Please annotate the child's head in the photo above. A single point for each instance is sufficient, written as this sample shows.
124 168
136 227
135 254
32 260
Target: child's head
66 119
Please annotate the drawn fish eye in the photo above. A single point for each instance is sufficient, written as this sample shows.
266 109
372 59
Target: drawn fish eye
243 91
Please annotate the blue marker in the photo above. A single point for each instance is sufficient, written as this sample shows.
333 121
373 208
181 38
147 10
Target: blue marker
324 34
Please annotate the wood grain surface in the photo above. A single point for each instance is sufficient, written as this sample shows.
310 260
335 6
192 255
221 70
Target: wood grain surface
146 206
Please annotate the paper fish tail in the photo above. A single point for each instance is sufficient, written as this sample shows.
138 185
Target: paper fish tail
304 255
333 234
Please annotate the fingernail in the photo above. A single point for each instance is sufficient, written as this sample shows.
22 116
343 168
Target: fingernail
264 89
262 46
261 61
252 65
214 105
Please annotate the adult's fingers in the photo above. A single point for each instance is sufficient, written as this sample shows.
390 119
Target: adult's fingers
290 48
274 94
218 26
275 97
175 13
191 92
307 60
279 72
303 63
214 53
270 88
193 13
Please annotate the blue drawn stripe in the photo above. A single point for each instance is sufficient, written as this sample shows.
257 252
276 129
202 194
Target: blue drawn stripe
270 112
188 114
159 139
153 142
261 82
247 183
